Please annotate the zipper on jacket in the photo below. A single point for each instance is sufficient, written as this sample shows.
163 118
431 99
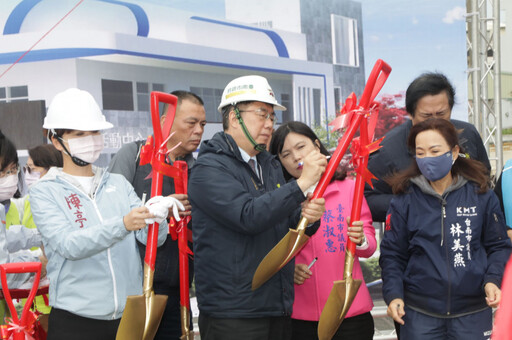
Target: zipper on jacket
111 267
116 303
448 304
443 216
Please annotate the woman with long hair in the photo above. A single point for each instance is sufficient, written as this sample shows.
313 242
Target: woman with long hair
292 143
445 245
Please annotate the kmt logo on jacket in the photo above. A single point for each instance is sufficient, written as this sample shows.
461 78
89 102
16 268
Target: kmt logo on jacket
388 222
466 211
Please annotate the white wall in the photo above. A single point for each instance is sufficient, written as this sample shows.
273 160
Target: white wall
284 14
44 79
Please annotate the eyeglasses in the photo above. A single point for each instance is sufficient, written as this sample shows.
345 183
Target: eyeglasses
28 169
13 170
263 114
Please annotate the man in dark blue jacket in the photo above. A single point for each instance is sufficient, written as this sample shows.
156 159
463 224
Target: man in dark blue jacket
430 95
241 208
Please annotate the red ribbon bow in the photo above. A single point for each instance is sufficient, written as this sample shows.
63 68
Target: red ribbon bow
148 154
8 331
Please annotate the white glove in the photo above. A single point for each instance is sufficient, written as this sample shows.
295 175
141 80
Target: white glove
311 189
159 206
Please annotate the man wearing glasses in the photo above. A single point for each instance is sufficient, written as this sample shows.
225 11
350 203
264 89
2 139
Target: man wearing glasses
241 208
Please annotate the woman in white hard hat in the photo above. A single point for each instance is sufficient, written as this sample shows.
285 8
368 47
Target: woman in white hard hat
89 220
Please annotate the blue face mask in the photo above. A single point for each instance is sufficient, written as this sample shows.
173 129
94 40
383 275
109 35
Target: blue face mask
435 168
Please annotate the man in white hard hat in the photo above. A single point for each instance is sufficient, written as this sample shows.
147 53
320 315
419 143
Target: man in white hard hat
89 221
241 208
187 130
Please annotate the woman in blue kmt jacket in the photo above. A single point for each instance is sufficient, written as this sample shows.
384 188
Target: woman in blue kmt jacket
88 219
445 244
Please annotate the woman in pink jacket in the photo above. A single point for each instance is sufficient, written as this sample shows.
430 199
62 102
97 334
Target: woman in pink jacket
292 142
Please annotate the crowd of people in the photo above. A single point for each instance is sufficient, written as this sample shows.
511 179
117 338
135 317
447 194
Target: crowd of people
443 253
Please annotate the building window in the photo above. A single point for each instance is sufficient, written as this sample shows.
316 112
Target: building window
3 95
117 95
345 44
317 106
211 98
287 115
337 98
13 94
142 97
159 87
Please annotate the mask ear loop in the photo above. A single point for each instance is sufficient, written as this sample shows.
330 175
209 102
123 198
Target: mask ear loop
257 147
75 160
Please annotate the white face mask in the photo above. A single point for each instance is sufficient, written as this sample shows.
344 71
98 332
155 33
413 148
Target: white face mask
8 187
32 177
87 148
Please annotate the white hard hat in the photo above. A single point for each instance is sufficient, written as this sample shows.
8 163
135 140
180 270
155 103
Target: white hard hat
249 88
75 109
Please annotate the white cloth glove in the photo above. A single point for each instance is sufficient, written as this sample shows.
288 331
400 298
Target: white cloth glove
159 206
311 189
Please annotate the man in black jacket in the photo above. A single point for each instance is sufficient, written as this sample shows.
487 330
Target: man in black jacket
241 208
430 95
188 127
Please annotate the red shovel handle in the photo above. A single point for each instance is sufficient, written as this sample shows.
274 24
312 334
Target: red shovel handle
17 268
355 214
180 186
376 80
378 77
161 135
337 156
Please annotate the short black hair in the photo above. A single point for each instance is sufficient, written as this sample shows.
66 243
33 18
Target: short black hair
8 154
182 95
46 156
428 84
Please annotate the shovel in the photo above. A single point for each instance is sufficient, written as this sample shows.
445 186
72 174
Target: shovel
143 313
180 186
295 239
344 291
20 328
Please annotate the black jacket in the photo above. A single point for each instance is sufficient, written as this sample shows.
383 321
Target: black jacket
238 219
394 157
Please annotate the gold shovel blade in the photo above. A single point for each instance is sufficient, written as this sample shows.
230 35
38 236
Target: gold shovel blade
132 323
155 307
279 256
340 299
141 317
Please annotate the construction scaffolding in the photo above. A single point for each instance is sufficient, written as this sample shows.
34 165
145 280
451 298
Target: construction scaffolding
484 80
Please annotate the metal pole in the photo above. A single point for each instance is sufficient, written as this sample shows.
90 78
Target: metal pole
484 71
475 66
497 87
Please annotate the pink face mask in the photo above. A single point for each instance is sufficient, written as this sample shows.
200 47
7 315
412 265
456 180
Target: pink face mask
8 187
87 148
31 177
